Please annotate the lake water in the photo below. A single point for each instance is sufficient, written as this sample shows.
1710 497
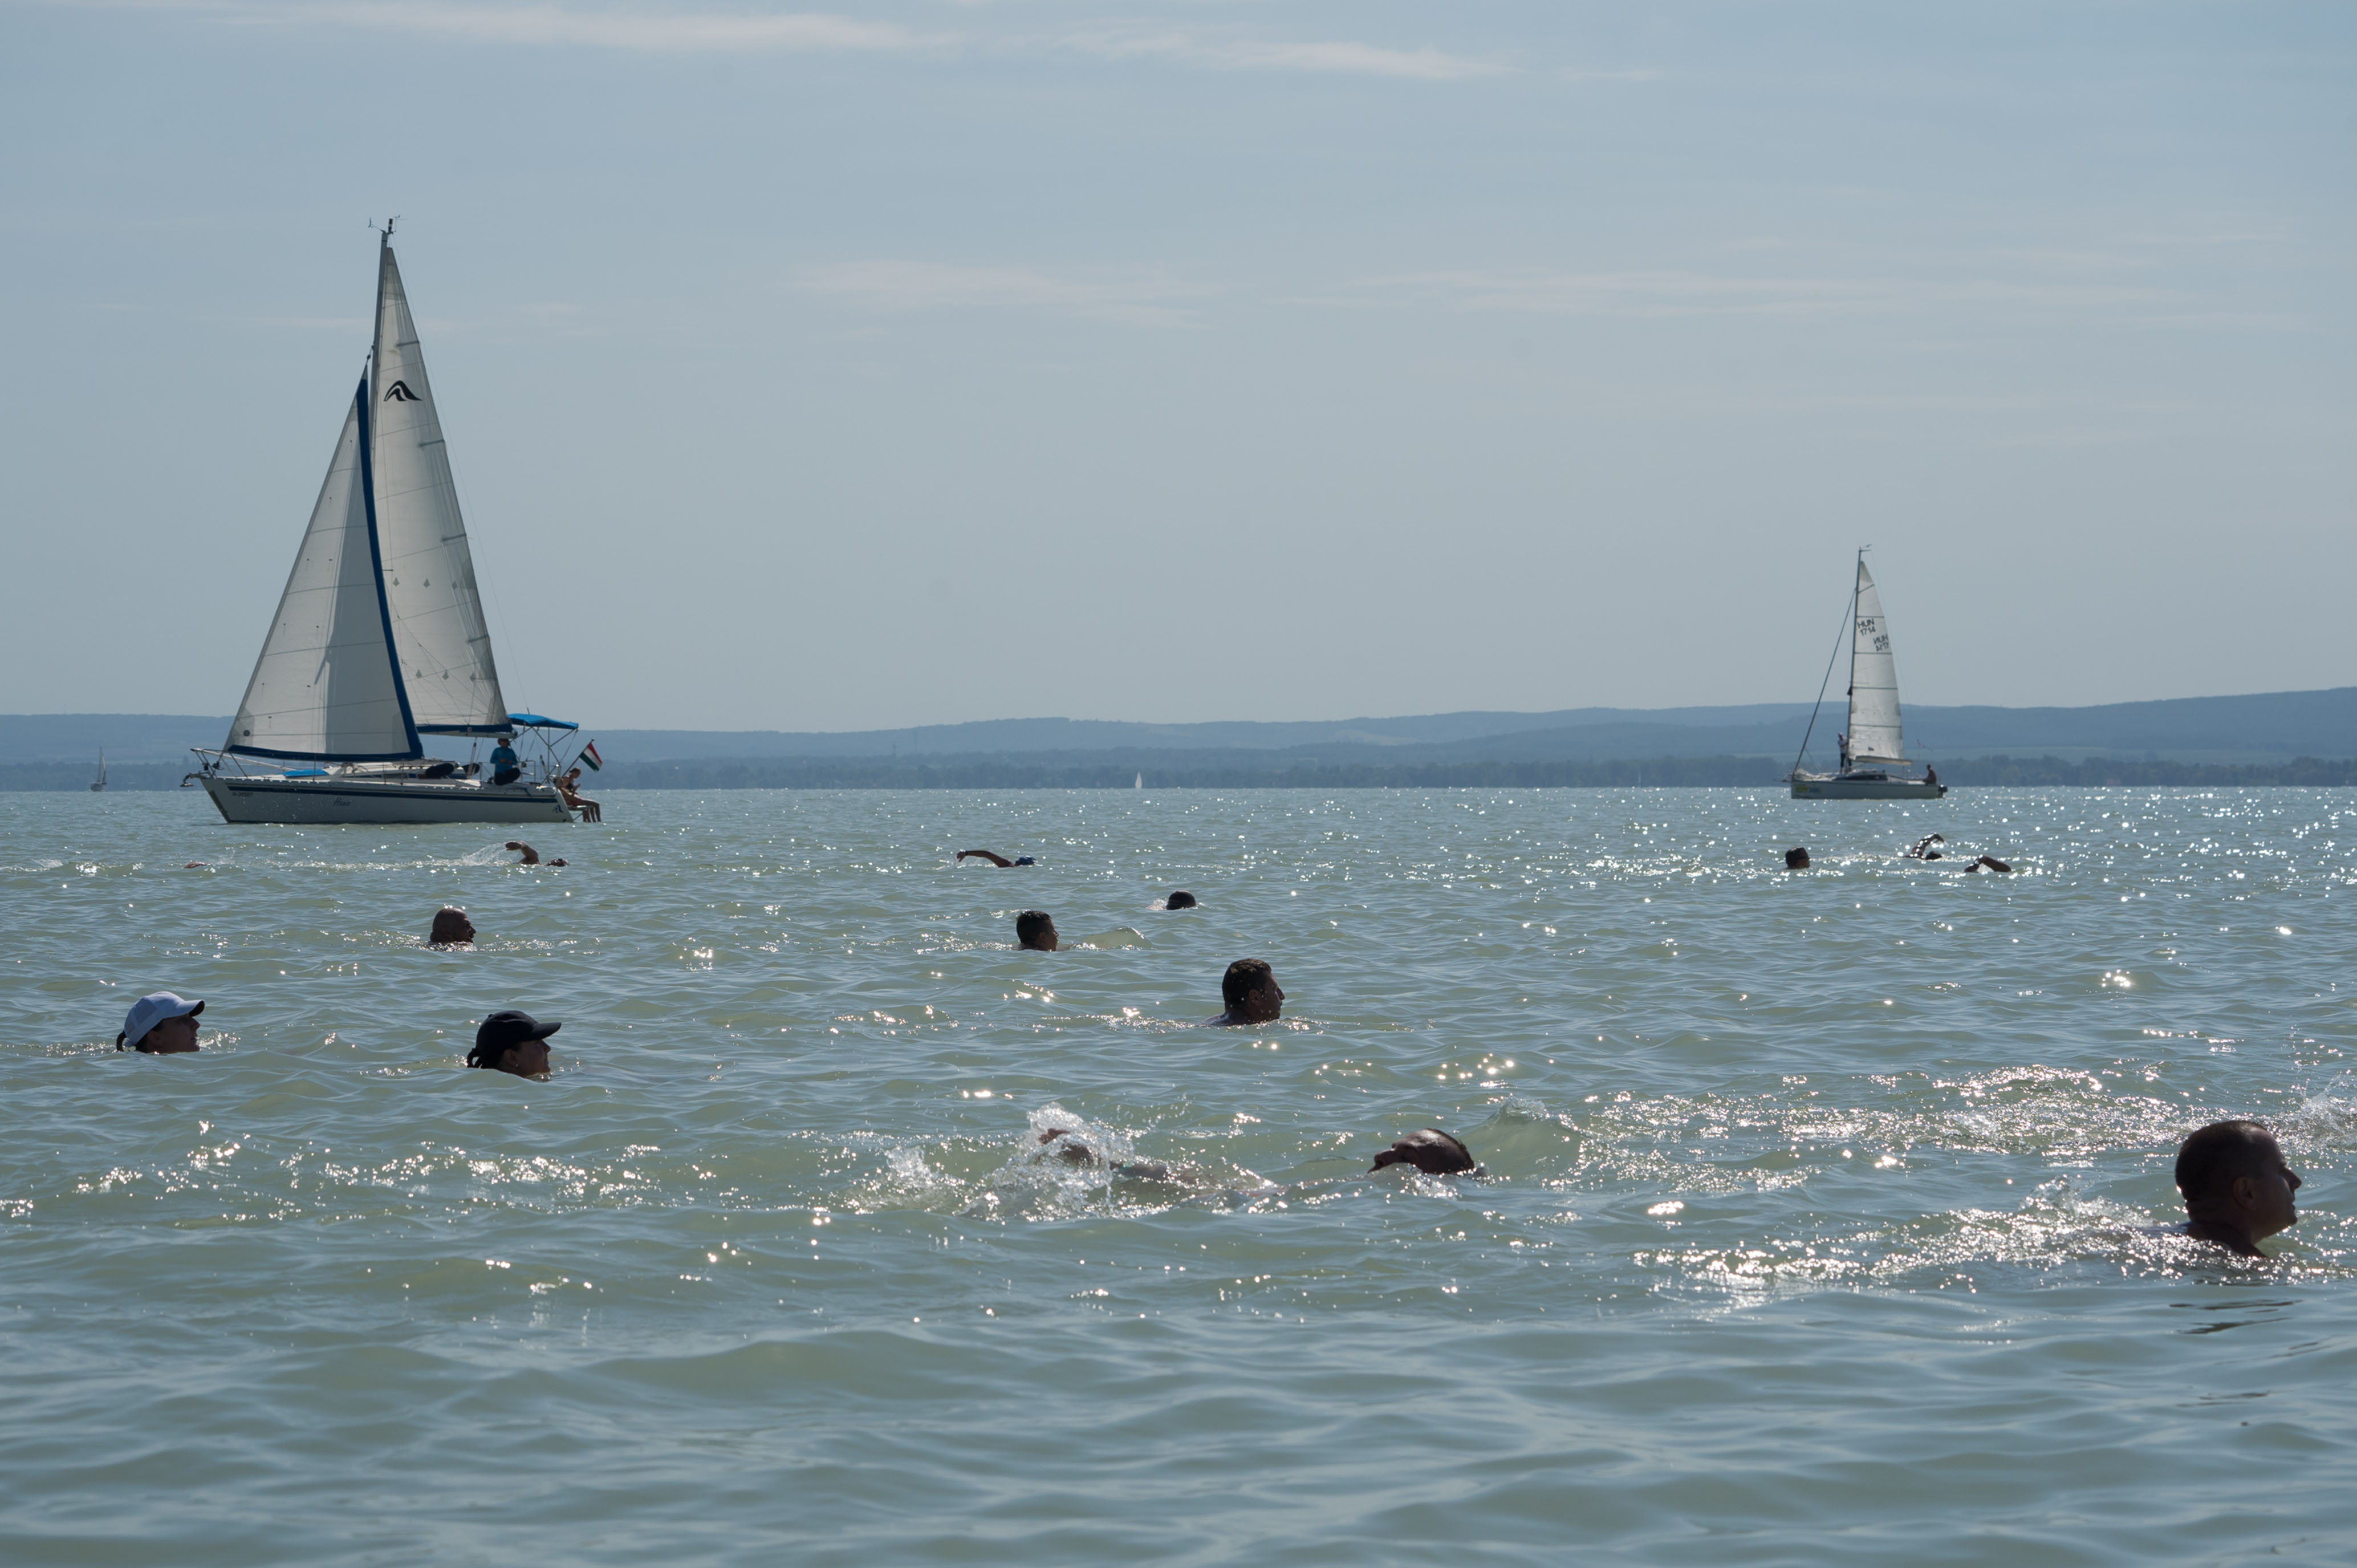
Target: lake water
1817 1225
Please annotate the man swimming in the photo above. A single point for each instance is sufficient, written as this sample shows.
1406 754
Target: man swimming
1431 1150
514 1043
1036 929
994 857
160 1025
1180 900
527 855
1923 850
2237 1187
1249 988
1796 860
451 929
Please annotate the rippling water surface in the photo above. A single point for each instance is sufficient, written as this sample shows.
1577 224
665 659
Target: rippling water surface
1818 1221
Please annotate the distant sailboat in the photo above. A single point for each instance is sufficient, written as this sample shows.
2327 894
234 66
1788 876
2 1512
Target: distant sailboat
1873 744
379 641
100 782
1141 782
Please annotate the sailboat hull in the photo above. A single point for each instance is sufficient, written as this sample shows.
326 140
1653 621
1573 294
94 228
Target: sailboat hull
332 800
1834 787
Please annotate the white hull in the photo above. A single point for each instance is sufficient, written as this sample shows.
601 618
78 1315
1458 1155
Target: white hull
1838 787
362 801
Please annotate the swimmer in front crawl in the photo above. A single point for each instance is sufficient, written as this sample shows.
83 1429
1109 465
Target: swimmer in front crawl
995 858
1923 850
2237 1186
1431 1150
530 856
1035 930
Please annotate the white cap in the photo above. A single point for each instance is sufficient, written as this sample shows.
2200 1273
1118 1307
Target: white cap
153 1009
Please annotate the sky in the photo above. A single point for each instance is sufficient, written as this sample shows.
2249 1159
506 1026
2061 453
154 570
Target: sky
934 362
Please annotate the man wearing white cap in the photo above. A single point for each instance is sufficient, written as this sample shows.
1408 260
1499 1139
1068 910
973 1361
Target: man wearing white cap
161 1024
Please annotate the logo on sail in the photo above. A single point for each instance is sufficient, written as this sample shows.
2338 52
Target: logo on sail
399 393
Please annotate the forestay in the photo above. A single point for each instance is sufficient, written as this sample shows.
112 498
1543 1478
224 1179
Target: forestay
1872 682
438 632
324 688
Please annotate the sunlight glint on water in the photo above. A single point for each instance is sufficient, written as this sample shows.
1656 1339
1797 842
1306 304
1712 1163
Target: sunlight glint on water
1817 1221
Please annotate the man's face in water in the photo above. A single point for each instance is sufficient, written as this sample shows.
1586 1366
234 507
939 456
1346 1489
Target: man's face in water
529 1059
2269 1198
1262 1004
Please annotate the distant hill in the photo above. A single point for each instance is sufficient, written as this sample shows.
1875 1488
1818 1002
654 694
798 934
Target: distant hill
2267 729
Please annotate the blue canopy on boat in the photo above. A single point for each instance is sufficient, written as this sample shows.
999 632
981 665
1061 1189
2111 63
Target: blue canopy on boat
535 721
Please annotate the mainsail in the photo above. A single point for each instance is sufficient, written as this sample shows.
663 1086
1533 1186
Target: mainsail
325 689
1872 682
429 575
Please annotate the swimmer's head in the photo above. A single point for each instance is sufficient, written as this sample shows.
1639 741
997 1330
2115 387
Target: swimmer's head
1180 901
2236 1182
1250 990
1035 929
1429 1150
1066 1144
1796 860
451 928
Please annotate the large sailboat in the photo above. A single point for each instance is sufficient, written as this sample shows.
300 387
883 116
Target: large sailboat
1873 745
378 647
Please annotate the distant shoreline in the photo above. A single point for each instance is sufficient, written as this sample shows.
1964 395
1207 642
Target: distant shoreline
1015 772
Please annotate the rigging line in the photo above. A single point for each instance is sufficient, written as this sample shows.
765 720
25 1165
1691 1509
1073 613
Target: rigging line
1823 685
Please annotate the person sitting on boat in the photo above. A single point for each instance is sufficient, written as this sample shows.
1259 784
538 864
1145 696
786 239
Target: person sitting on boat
505 768
1930 776
2236 1185
1036 929
1923 850
1249 988
568 786
451 928
161 1024
994 857
512 1042
527 855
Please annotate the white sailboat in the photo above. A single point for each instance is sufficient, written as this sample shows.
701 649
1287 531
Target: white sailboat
379 643
1873 744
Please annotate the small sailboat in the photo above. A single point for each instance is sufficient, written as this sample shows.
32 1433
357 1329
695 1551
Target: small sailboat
1873 744
100 783
379 645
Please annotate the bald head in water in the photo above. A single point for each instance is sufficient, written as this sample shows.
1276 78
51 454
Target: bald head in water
1429 1150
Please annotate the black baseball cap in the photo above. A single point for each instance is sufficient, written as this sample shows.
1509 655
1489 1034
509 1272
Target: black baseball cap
503 1029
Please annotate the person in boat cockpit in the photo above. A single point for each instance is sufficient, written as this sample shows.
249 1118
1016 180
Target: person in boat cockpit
1843 741
505 768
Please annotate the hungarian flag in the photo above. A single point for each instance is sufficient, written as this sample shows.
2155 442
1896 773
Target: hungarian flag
590 755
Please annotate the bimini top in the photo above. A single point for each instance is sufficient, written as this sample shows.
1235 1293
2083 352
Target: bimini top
533 720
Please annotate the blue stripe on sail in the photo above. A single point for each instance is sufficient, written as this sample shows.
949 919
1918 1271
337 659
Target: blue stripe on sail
322 756
376 561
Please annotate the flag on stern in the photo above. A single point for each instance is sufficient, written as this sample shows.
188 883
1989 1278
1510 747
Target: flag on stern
590 755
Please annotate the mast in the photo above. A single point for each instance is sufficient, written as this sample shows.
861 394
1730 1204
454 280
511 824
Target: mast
1849 741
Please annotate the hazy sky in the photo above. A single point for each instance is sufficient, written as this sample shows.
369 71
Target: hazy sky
934 362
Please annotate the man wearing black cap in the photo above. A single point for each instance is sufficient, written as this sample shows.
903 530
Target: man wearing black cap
513 1042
